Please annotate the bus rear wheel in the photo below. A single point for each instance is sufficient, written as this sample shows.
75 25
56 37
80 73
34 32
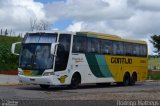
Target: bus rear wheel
133 79
75 81
44 86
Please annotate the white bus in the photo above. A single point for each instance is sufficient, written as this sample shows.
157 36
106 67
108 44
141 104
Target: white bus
54 58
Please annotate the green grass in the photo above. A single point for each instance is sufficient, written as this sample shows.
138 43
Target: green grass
155 76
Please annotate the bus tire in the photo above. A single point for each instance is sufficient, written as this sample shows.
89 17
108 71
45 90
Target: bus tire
133 78
44 86
75 81
126 79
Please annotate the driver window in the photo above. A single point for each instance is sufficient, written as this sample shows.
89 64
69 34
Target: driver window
63 52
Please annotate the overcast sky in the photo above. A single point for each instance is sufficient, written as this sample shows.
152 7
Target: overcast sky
131 19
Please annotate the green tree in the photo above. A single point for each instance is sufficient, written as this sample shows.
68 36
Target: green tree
6 32
155 40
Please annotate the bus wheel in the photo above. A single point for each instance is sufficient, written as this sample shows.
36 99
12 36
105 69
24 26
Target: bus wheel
133 79
76 80
44 86
126 79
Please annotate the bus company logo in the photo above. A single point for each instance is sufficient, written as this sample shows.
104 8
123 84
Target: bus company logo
62 78
121 60
77 60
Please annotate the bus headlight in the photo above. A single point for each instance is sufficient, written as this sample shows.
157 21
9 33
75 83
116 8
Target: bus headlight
48 73
20 72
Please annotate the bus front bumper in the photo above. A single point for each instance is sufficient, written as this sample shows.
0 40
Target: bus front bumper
47 80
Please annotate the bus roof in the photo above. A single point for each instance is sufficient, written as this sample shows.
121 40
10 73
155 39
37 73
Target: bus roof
109 36
94 35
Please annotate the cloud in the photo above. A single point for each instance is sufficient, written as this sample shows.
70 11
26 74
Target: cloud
87 10
16 14
146 5
131 19
75 27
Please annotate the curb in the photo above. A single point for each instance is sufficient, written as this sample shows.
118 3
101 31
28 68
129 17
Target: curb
152 80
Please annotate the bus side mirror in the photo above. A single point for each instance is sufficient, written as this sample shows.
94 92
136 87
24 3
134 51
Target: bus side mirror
14 47
53 48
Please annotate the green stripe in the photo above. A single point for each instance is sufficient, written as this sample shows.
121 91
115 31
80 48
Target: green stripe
91 36
80 34
37 72
103 66
93 64
86 35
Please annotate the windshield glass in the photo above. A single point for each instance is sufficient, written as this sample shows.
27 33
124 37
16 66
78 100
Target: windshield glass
40 38
35 52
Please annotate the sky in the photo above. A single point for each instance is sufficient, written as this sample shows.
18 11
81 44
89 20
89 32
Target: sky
129 19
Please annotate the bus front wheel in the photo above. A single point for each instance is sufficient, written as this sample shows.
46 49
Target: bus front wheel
126 79
44 86
75 81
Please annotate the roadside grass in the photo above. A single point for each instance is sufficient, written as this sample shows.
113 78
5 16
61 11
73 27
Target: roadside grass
154 76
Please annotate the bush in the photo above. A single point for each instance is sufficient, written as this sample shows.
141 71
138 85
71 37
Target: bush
8 61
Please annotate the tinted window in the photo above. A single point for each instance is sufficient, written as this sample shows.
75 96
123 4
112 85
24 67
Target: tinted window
118 48
106 47
63 52
136 49
143 50
128 49
93 45
79 44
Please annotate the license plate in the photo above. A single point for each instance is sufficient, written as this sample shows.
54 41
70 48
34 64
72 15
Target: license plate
27 72
32 79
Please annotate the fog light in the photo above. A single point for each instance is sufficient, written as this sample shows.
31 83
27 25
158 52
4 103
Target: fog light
20 72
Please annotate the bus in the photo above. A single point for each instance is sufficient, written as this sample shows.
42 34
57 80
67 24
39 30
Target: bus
75 58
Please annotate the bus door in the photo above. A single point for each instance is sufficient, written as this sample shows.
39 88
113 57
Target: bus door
63 52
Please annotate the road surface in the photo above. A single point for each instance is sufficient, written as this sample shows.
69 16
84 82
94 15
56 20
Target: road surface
140 91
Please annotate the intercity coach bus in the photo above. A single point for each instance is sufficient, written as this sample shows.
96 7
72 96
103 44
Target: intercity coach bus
58 58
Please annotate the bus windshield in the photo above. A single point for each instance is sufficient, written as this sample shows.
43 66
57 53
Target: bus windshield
35 52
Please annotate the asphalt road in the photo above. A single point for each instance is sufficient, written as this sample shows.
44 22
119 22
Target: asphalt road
140 91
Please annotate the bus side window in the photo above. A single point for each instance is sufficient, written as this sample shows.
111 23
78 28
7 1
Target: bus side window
117 48
93 45
136 50
128 49
143 50
106 46
79 44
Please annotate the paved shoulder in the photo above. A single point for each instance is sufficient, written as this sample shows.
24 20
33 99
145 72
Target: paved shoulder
8 79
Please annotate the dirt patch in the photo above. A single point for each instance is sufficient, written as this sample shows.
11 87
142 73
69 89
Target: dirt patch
9 72
154 72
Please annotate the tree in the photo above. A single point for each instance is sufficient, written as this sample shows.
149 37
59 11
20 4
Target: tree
6 32
33 22
43 25
155 40
10 32
38 25
1 32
